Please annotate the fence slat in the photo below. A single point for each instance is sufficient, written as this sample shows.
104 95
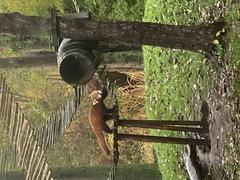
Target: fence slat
40 169
3 93
10 113
6 106
45 171
25 152
16 123
38 165
12 122
30 159
24 145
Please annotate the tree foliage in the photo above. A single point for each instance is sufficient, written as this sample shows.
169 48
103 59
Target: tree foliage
111 9
30 7
101 9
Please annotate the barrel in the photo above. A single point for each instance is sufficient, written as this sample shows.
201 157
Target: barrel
76 62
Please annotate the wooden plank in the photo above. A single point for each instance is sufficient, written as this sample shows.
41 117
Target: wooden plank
37 134
4 160
10 114
45 171
23 133
25 152
3 99
58 121
44 136
12 121
1 93
41 135
154 123
20 25
48 134
16 124
158 125
51 121
115 132
40 168
7 159
21 122
35 161
38 160
55 125
156 139
36 61
48 175
53 129
1 164
28 156
13 158
6 106
24 146
30 162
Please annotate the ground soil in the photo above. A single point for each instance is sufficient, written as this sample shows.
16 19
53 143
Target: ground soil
222 157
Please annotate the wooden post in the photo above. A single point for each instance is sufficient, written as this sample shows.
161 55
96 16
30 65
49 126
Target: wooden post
157 139
115 140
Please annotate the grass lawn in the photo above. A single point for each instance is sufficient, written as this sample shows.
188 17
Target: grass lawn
174 78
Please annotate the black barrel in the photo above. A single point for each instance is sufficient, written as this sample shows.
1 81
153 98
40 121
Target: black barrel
76 62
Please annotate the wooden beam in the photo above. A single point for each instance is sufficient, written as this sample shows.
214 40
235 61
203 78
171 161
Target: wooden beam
25 26
155 123
161 126
156 139
40 61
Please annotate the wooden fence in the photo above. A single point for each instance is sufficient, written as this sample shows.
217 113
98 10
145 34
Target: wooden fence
49 132
26 148
8 159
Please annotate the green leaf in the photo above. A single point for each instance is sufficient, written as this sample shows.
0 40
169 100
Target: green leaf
216 42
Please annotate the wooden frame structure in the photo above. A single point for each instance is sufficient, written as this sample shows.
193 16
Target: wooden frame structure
171 125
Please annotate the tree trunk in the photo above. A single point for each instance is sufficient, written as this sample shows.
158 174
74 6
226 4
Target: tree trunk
118 47
193 38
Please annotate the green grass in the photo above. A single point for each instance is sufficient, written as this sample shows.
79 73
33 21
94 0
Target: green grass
101 172
232 155
97 172
173 77
39 97
234 51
